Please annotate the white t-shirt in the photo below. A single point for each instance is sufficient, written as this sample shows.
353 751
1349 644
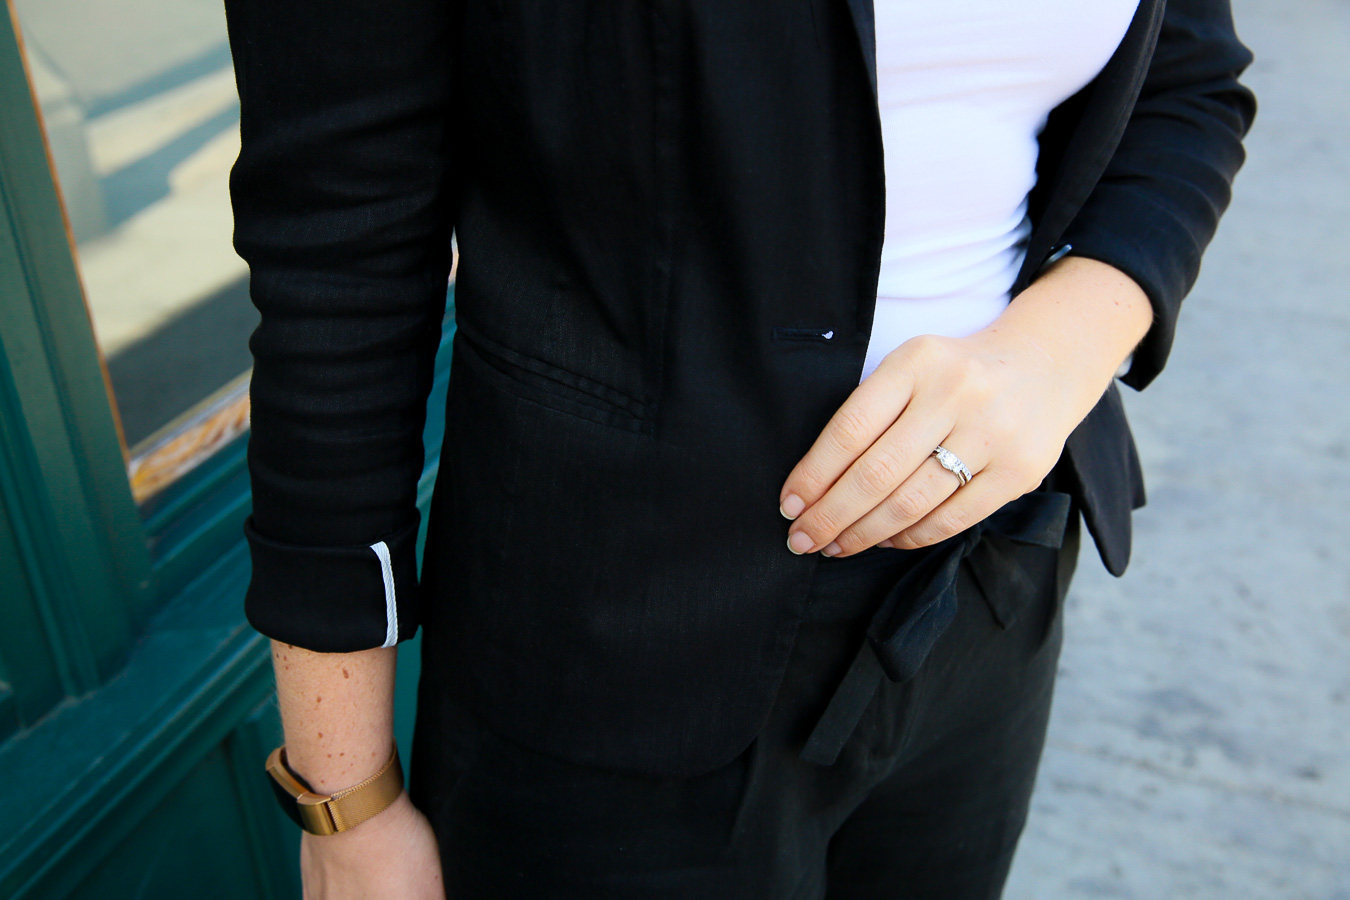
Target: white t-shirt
964 90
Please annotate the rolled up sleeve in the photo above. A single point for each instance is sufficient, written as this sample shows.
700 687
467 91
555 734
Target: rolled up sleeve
1158 204
343 197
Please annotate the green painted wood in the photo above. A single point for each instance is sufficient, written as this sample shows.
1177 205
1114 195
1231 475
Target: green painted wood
205 514
67 666
22 648
163 856
81 543
9 714
96 765
273 839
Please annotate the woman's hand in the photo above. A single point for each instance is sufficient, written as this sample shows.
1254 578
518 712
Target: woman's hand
1004 400
392 856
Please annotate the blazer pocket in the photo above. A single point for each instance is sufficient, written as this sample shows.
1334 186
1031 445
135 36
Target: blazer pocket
546 385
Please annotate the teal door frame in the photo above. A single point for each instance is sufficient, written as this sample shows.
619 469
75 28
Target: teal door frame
81 545
135 702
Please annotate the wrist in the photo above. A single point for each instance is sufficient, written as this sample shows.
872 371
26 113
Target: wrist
399 815
330 813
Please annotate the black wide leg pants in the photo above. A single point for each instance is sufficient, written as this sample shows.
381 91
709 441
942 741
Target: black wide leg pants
925 799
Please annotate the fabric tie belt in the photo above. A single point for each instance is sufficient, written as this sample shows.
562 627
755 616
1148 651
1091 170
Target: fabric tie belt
922 602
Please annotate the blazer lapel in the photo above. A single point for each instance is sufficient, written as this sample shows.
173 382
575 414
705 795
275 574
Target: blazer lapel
865 23
1089 146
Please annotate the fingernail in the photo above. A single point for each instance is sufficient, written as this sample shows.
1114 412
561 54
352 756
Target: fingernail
792 506
832 549
886 543
800 542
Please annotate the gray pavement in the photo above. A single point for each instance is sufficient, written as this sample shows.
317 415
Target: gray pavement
1200 741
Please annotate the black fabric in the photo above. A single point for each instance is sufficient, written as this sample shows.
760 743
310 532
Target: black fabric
925 801
340 587
653 201
918 608
1160 189
342 199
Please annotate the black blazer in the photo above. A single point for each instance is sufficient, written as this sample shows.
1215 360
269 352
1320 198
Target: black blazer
661 208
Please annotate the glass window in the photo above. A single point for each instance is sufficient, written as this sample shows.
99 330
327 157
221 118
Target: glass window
141 116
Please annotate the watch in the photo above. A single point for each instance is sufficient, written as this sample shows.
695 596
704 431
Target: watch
331 813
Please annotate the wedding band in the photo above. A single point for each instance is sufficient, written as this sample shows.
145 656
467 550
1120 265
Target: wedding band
952 463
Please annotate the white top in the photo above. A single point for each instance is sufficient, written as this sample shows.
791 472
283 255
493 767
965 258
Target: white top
964 89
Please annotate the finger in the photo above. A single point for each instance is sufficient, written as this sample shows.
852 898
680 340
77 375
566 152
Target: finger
929 486
871 478
972 503
868 412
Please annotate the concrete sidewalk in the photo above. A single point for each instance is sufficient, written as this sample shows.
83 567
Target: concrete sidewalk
1200 743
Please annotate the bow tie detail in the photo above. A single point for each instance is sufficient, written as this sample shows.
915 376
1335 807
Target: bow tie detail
922 603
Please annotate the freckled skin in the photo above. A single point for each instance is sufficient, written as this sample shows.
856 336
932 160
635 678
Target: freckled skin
336 744
341 703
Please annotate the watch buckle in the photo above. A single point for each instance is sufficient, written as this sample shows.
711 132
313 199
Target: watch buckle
315 816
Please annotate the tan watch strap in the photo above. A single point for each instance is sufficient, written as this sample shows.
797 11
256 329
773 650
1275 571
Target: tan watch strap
340 811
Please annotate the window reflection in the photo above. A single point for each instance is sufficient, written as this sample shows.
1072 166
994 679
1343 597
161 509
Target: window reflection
139 104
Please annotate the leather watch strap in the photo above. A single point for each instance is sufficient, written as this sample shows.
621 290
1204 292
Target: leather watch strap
345 809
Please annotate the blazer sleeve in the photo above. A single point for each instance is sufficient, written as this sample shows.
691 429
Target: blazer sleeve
343 202
1158 204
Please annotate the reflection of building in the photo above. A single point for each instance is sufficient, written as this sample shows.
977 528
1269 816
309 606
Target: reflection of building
141 116
135 703
63 116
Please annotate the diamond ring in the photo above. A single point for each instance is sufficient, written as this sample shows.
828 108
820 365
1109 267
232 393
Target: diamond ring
952 463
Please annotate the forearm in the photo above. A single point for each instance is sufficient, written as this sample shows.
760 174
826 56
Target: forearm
337 711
